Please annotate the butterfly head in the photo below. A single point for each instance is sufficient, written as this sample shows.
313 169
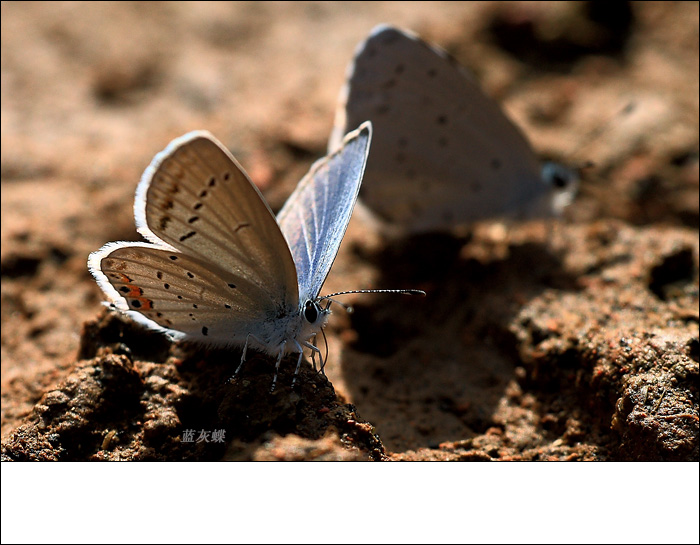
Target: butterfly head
313 317
316 315
563 183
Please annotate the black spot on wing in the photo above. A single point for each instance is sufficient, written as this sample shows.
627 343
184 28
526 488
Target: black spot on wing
163 222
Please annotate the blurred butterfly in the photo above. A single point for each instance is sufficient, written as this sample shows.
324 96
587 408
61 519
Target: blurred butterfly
443 153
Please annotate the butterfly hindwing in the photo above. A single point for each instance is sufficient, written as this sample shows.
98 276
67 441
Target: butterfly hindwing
180 294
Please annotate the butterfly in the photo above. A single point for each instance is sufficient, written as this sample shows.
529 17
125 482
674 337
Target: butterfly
218 267
443 153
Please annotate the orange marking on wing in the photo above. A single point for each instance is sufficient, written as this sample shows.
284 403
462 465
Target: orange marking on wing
133 291
135 294
146 304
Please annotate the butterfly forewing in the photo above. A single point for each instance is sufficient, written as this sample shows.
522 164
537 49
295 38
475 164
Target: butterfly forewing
442 149
197 199
316 216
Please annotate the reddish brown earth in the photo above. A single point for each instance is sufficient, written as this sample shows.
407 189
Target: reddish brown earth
569 341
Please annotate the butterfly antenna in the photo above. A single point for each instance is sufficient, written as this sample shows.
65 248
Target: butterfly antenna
349 309
403 292
597 132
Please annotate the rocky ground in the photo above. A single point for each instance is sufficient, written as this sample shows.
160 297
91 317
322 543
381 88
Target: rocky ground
568 340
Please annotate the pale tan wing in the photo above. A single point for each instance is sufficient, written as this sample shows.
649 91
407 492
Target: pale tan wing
196 198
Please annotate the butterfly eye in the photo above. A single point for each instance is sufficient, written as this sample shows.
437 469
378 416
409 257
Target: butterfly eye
311 312
558 176
559 181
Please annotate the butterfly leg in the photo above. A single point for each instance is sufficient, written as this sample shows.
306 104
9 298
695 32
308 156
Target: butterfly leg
243 355
301 355
277 366
245 350
314 352
312 346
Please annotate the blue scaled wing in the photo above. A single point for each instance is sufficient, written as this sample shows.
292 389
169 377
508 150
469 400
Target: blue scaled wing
315 217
